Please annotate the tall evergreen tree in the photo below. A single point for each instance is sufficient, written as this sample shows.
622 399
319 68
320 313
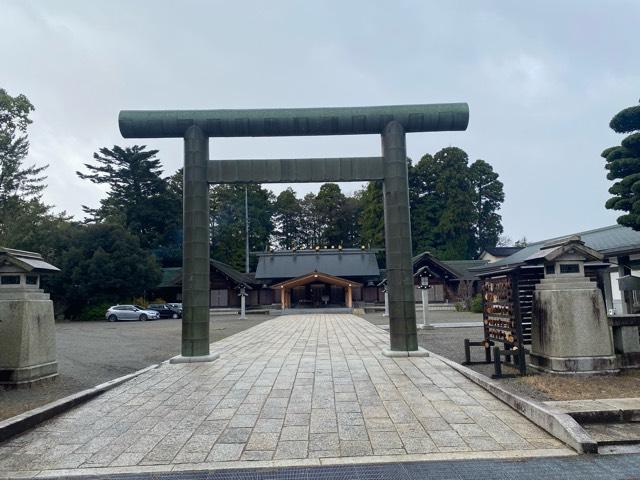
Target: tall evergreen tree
330 207
455 225
488 196
169 250
348 221
454 206
138 196
311 234
426 204
287 214
15 180
371 219
228 222
20 186
623 163
98 263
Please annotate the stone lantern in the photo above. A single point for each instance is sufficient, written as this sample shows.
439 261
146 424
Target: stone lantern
569 331
27 326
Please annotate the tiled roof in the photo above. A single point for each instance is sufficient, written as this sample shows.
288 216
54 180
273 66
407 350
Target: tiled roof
458 269
28 261
611 240
463 267
172 277
345 263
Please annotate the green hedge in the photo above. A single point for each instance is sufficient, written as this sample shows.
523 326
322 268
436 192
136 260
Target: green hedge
476 304
93 312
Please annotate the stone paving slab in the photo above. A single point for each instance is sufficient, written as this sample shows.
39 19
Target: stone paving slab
299 389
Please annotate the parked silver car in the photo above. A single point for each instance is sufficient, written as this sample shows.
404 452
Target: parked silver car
130 312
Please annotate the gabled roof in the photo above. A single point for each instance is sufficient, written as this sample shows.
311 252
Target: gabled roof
442 269
349 262
463 267
453 269
231 273
552 250
27 261
610 241
172 277
316 277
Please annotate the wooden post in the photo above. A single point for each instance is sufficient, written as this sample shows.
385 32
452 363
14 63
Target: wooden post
515 295
349 298
282 297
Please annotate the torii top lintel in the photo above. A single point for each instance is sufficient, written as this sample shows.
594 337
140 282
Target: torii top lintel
293 121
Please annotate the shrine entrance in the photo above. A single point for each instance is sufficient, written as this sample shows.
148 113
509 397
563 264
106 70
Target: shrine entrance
196 127
316 290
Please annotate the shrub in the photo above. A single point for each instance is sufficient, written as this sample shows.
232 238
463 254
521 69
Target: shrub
93 312
476 304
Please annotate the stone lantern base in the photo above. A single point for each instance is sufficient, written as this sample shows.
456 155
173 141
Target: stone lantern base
570 332
27 338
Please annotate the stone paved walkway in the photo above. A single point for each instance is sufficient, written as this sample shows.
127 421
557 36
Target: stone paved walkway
297 390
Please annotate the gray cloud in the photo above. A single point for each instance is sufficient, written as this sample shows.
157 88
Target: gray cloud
542 80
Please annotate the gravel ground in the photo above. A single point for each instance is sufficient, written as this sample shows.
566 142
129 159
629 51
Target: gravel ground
91 353
449 342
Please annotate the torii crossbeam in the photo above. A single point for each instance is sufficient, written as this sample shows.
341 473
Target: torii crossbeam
197 126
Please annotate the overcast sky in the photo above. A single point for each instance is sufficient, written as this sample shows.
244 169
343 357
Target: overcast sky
542 80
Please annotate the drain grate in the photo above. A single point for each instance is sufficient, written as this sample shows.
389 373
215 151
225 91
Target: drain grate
579 467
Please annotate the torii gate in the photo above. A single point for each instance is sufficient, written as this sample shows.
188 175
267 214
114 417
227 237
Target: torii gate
197 126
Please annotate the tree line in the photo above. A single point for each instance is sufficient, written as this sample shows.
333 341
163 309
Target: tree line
116 252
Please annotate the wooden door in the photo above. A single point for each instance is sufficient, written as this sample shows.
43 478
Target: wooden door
219 298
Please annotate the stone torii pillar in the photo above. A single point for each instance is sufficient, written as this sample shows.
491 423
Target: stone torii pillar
391 122
195 250
397 236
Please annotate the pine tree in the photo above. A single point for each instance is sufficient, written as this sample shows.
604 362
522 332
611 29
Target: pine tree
488 197
623 163
138 196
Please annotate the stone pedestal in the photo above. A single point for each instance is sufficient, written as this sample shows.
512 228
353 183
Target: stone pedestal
626 339
570 332
27 337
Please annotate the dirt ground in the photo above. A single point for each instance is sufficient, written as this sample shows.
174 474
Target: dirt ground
555 387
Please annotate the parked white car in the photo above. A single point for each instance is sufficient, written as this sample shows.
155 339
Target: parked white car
130 312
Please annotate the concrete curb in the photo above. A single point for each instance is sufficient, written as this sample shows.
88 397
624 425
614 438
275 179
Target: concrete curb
18 424
560 425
